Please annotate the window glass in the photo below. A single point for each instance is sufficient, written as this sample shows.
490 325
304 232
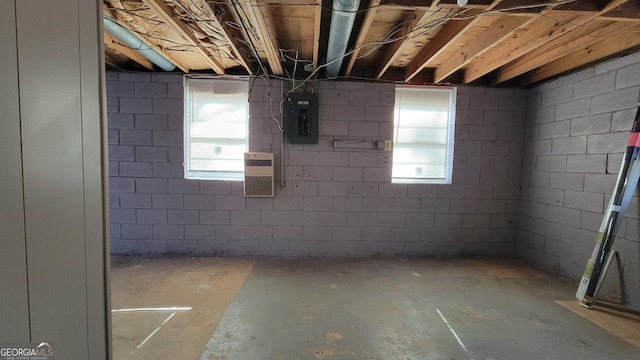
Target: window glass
423 135
216 113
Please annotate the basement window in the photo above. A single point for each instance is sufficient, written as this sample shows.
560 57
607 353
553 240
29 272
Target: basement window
215 128
423 135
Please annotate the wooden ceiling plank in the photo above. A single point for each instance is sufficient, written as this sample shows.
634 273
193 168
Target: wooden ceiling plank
424 5
631 20
543 29
449 33
166 14
539 31
393 50
364 29
513 6
110 61
261 18
317 13
175 62
629 11
115 45
604 48
557 48
499 31
231 36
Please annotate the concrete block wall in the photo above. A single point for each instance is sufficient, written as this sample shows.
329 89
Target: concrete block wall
576 132
336 201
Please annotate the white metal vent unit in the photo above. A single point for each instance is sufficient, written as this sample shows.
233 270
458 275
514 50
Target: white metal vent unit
258 174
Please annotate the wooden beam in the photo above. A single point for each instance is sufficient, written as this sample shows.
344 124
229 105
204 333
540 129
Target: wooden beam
115 45
499 31
424 5
166 14
558 48
262 22
126 18
317 12
231 35
366 24
601 49
629 11
539 32
537 6
513 6
110 61
449 33
393 49
447 36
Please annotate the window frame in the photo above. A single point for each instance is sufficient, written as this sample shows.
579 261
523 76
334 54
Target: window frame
225 174
450 136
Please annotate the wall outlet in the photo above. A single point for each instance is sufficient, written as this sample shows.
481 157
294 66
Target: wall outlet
387 145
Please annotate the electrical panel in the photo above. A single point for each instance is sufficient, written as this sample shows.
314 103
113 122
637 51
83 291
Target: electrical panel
301 118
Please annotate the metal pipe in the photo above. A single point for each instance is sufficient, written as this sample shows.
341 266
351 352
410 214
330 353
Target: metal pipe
135 43
343 16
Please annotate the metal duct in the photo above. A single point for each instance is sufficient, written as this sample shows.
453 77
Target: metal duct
134 42
343 15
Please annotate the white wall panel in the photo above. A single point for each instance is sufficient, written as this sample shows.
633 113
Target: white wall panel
52 162
14 308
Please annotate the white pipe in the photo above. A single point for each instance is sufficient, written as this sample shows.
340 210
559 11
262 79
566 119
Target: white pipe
343 16
134 42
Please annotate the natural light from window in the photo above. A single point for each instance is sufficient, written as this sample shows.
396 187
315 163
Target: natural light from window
216 113
423 135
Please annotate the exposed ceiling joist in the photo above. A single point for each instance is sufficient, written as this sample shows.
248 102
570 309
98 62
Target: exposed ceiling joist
558 48
603 48
544 29
231 35
486 40
507 42
317 13
393 50
627 11
164 11
450 32
537 32
261 16
115 45
362 34
125 15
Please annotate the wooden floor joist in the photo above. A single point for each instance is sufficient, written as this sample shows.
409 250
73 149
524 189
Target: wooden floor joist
165 12
543 30
604 48
114 44
449 33
265 32
500 30
362 34
558 48
393 49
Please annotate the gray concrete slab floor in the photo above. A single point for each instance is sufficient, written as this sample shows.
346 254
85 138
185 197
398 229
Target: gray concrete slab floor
381 308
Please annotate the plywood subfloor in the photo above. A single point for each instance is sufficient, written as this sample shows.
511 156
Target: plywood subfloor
623 324
168 307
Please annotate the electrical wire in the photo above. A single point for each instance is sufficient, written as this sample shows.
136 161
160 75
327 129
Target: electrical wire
134 13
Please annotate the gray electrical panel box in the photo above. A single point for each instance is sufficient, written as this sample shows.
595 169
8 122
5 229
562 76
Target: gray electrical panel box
301 118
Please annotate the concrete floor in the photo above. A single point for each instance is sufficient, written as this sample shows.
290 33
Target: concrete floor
355 309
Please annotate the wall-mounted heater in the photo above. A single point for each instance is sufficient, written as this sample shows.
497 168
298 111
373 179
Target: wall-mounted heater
258 174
